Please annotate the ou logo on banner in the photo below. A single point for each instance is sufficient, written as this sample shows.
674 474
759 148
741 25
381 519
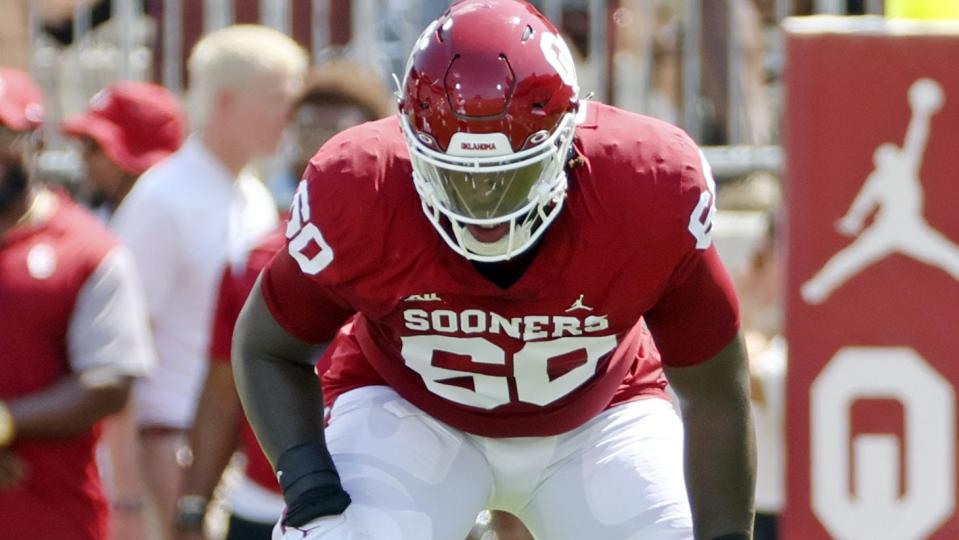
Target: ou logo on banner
876 511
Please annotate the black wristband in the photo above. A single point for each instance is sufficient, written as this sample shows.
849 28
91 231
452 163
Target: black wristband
311 486
733 536
316 503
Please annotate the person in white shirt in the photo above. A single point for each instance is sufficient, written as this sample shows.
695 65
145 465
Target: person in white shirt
198 211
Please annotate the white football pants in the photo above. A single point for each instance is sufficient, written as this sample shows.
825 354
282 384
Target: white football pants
412 477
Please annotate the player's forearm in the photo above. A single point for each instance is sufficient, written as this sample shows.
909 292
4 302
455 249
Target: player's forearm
214 438
719 442
71 406
276 381
281 396
720 466
283 402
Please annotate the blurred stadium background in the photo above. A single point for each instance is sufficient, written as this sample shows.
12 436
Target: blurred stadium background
788 108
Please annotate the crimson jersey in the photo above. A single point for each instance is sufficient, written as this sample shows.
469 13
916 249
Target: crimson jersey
42 271
630 250
234 288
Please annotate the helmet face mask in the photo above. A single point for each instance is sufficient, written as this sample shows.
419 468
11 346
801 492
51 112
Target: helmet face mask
488 131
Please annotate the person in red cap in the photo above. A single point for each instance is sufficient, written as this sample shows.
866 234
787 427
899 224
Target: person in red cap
74 334
127 128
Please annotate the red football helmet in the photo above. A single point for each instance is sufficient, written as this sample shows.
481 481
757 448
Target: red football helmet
488 109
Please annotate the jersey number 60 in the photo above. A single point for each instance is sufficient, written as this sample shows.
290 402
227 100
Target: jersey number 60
530 368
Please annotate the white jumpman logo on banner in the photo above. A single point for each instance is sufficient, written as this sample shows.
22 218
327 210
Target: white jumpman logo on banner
895 189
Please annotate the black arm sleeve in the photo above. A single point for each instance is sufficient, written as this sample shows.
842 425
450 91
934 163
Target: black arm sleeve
283 401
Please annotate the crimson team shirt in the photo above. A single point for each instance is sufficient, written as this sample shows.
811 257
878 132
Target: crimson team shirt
68 303
234 288
628 262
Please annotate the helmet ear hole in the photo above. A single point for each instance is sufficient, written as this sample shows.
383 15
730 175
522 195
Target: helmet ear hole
527 34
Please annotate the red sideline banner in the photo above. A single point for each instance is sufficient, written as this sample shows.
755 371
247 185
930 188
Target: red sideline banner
872 192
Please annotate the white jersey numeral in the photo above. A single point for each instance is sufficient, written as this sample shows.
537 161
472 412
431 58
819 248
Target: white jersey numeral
304 237
701 219
530 368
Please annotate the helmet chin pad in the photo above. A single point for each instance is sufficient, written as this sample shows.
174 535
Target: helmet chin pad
514 236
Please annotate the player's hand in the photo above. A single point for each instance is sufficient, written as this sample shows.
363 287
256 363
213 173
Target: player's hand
849 226
12 469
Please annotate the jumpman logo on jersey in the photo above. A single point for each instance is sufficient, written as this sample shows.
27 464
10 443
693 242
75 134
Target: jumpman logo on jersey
425 297
895 189
578 304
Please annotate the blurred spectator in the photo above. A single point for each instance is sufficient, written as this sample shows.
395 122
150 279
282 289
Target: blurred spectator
336 96
731 33
647 40
127 128
762 321
198 211
74 333
256 502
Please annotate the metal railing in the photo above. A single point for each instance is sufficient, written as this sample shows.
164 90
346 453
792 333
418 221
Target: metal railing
381 33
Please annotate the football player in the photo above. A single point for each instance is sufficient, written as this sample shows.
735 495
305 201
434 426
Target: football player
511 252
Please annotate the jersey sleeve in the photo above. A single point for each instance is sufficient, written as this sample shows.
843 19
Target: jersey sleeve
698 312
108 328
306 285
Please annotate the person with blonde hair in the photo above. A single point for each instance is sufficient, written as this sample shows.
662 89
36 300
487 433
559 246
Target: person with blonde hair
336 96
198 211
